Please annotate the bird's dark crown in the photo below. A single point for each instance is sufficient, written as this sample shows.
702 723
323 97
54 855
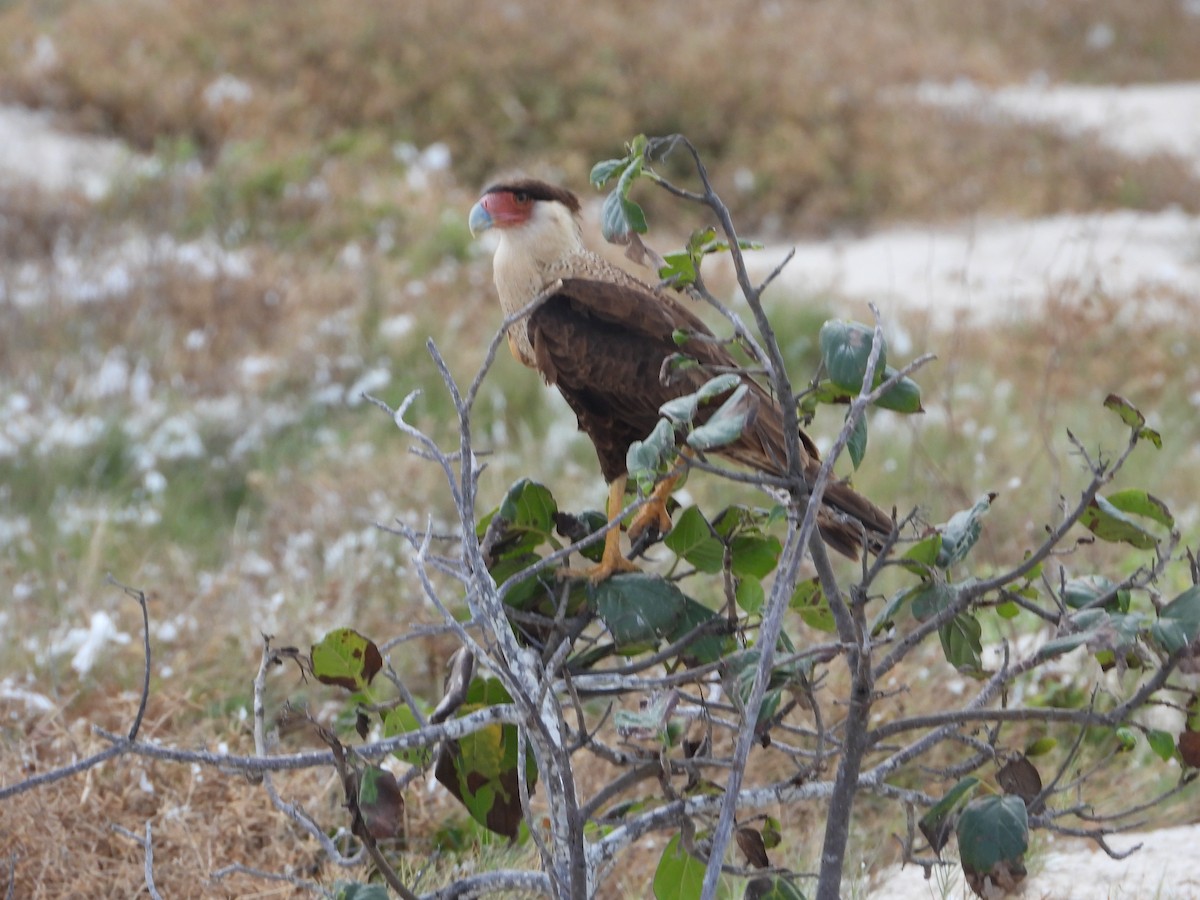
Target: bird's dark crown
537 190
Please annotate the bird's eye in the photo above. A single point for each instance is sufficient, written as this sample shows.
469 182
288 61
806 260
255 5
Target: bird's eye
521 197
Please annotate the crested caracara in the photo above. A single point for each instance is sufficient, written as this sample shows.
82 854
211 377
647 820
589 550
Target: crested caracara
601 338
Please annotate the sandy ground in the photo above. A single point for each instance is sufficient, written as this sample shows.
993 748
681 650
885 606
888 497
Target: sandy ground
980 269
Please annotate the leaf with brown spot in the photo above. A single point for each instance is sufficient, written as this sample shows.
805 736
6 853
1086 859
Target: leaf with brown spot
381 803
480 770
347 659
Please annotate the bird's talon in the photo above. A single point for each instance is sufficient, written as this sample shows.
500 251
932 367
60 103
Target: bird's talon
652 519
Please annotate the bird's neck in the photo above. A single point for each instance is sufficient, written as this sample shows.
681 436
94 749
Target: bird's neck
530 257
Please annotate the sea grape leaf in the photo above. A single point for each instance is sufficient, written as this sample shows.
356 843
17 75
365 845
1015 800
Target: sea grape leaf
1178 622
1162 743
1086 589
1116 524
646 460
381 803
480 769
937 824
400 720
638 609
902 397
921 556
1133 417
845 350
992 830
856 445
809 600
929 598
726 424
718 386
681 410
679 876
960 533
754 555
692 538
750 595
961 643
345 658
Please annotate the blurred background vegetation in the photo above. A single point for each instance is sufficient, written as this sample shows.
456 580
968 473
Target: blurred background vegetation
182 358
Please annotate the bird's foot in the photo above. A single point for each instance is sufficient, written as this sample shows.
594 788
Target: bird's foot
651 521
602 571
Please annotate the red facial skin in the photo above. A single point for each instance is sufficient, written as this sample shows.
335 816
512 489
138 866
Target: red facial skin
507 209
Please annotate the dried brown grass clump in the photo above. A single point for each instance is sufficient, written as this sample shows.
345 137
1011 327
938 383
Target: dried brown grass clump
62 836
797 96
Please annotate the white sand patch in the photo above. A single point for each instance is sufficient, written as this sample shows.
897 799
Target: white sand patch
1164 869
1001 270
34 151
1138 120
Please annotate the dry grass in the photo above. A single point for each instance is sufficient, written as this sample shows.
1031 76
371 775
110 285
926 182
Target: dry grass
805 92
270 527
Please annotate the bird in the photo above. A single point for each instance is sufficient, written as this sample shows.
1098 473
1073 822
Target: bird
601 336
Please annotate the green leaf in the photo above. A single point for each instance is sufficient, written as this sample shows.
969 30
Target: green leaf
679 875
1129 413
809 600
646 460
1110 523
991 830
679 268
750 595
845 349
1008 610
480 769
961 532
400 720
961 643
929 598
692 538
718 387
530 505
1141 503
903 397
640 610
351 891
1162 743
754 555
825 392
857 444
603 171
726 424
937 824
886 617
1126 737
921 556
1041 746
1178 622
1085 590
345 658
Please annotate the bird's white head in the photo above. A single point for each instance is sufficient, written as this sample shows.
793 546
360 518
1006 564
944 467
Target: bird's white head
539 234
536 221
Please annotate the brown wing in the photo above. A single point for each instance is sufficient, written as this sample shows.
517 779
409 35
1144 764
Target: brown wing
603 344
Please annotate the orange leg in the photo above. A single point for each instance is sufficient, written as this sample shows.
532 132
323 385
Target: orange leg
612 562
654 515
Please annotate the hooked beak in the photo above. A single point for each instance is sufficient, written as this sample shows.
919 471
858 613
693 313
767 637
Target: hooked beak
480 219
